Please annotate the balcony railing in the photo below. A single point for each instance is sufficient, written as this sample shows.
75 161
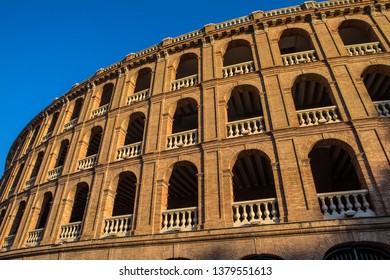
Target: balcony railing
8 242
70 124
87 163
363 49
339 205
185 82
383 108
35 237
30 183
118 226
236 69
245 127
100 111
71 232
138 96
47 136
182 139
185 219
129 151
323 115
262 211
55 173
299 57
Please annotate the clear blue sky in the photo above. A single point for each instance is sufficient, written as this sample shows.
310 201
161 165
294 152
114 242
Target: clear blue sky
47 46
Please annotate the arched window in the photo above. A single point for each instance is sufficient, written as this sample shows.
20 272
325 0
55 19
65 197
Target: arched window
16 180
296 46
144 79
245 114
313 100
358 37
182 202
80 203
337 182
186 72
356 252
62 153
376 78
253 189
18 218
37 165
135 129
77 109
95 141
185 124
238 58
45 210
106 94
33 138
53 123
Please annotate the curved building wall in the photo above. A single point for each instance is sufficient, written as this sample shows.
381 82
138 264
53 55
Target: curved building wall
244 139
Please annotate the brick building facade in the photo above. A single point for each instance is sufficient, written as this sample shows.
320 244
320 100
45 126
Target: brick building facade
267 136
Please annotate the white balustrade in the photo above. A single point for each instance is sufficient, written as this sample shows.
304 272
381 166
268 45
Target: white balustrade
185 219
71 232
129 151
233 22
187 36
236 69
87 163
55 173
323 115
138 96
362 49
47 136
283 11
299 57
338 205
185 82
118 225
100 111
30 183
182 139
8 242
262 211
383 108
34 237
245 127
332 3
146 51
70 124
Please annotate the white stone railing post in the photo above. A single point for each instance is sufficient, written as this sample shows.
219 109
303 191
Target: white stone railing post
138 96
55 173
236 69
100 111
70 124
383 108
340 205
87 163
299 57
323 115
182 139
185 82
129 151
118 225
35 237
184 219
363 49
253 212
8 242
71 232
30 183
245 127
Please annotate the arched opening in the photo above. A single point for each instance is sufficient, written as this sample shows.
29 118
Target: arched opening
2 216
358 37
38 162
79 203
52 124
262 257
106 94
238 58
245 114
253 190
62 153
185 124
337 183
33 138
144 79
186 72
357 251
135 129
77 109
16 180
18 219
45 210
296 46
313 100
376 78
94 141
182 202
